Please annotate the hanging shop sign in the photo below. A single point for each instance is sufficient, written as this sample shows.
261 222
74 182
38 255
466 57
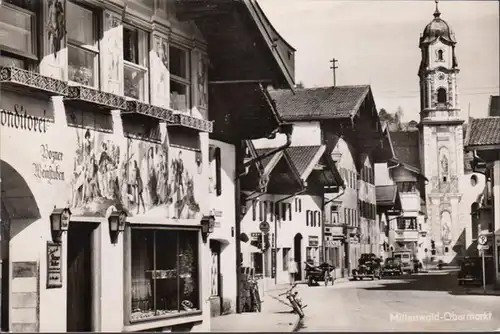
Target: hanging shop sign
54 265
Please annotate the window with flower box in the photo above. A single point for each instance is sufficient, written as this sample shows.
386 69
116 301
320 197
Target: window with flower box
135 63
164 273
17 33
83 46
180 78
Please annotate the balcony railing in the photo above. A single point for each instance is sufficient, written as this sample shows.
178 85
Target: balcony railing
406 235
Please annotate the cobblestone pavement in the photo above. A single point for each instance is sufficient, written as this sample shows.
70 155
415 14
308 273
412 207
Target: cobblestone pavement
426 302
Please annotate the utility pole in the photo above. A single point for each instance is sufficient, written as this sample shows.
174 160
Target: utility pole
334 67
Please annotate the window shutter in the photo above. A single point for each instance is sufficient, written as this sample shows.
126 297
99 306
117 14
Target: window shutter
264 209
260 210
254 210
218 169
283 211
271 210
307 218
289 205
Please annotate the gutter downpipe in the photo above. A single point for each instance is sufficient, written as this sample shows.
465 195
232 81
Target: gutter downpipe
240 161
323 250
276 217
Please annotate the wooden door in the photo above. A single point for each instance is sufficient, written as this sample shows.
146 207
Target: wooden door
79 280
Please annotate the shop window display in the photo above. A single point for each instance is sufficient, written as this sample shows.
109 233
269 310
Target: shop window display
165 279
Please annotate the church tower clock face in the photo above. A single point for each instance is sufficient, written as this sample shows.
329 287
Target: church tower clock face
441 76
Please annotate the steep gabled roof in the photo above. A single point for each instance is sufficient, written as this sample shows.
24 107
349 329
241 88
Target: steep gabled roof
319 103
407 149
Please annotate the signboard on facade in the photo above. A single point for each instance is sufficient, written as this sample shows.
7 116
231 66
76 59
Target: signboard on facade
332 243
313 241
54 265
483 247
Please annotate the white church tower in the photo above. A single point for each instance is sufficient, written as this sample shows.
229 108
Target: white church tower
441 140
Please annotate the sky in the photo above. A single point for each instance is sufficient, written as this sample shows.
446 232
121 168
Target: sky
376 43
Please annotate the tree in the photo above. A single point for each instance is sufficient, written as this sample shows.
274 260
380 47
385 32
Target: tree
299 85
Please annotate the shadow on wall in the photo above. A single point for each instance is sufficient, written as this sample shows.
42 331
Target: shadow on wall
18 202
460 249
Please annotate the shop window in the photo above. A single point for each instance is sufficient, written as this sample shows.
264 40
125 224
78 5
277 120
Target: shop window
180 84
83 51
286 258
164 270
135 63
17 33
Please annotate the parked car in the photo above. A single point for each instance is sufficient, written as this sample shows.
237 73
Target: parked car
369 266
392 267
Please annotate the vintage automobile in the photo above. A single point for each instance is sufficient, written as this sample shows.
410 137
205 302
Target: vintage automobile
471 271
407 260
369 267
392 267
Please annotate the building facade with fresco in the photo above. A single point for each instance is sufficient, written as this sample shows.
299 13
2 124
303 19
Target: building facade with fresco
105 162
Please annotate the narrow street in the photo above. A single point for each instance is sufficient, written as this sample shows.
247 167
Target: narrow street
423 302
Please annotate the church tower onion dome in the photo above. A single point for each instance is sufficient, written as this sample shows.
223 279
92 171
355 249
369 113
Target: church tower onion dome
437 28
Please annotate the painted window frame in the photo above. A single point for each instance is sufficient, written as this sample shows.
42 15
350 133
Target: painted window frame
20 58
91 49
142 65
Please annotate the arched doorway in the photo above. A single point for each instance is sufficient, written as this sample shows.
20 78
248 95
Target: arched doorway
17 203
297 254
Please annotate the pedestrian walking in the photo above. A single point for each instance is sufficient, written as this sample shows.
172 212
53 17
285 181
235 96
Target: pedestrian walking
292 270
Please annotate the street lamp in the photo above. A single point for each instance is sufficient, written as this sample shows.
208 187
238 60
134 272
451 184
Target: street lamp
117 220
59 223
207 226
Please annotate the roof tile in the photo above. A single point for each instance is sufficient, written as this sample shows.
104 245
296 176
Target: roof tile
484 131
319 103
406 147
302 156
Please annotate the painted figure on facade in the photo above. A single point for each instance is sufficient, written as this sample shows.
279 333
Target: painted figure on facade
444 165
445 228
56 24
139 188
96 183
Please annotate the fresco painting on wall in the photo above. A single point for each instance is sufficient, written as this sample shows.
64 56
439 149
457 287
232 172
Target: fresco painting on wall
146 178
97 179
160 182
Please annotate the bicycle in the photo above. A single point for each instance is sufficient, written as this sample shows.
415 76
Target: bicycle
255 301
295 301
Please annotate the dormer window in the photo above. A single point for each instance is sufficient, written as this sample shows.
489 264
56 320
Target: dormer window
441 96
